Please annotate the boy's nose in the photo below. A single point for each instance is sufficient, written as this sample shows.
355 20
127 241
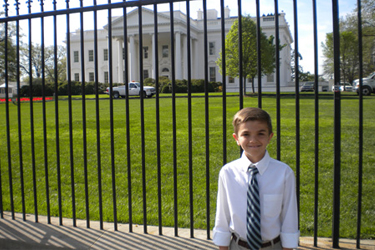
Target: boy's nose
252 139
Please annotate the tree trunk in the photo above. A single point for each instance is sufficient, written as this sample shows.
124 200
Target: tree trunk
252 84
244 85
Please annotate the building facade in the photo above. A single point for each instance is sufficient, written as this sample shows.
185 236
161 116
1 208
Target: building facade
164 47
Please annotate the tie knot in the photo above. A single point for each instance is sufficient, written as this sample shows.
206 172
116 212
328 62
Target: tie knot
253 170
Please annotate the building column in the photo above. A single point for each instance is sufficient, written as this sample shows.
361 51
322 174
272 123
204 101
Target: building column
178 55
120 74
153 71
195 60
192 56
184 62
133 60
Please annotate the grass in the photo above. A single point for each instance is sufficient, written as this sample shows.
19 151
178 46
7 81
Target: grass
349 158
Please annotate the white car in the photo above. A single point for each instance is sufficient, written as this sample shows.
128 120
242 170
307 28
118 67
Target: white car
134 90
344 86
368 84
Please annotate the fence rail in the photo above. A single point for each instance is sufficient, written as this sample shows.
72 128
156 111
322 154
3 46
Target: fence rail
89 144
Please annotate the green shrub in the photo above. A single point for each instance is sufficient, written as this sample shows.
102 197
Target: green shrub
75 88
37 88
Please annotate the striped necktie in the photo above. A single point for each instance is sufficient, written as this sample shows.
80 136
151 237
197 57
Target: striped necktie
254 238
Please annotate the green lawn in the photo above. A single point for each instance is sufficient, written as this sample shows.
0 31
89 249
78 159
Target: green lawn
349 158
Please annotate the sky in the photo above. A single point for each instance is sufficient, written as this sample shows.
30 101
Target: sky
304 19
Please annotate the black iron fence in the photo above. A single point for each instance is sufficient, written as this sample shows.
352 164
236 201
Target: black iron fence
141 160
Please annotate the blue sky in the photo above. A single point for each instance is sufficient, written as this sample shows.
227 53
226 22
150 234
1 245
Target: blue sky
305 19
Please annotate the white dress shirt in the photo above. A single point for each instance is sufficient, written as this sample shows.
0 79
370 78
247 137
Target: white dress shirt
278 201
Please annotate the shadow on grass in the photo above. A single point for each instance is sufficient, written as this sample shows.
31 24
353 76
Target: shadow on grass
310 96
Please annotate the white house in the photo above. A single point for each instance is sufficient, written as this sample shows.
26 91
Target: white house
164 46
3 88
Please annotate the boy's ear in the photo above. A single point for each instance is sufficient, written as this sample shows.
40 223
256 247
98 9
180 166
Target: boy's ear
235 137
271 135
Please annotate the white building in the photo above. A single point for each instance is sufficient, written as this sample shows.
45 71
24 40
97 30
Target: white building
164 46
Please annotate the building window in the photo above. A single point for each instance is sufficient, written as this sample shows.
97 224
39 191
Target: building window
212 48
106 77
212 74
231 79
270 78
91 55
145 74
165 51
145 52
76 56
165 70
105 54
76 77
268 19
91 76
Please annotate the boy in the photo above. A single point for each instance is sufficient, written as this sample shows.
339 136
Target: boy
237 214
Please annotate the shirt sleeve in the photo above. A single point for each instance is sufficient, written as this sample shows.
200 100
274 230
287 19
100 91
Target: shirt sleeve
221 231
289 214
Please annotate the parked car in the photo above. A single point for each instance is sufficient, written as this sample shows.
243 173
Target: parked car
344 86
134 90
368 84
307 87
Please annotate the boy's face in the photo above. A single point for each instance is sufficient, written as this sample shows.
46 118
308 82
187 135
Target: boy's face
253 137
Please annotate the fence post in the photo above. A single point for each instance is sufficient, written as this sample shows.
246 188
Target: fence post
337 127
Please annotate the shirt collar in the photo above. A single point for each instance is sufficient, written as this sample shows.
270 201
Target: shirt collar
262 165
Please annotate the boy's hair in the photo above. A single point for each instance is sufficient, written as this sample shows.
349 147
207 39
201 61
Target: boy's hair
251 114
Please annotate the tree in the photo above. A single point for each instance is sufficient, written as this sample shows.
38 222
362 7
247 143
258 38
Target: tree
368 33
368 14
49 62
348 56
11 50
349 51
300 69
249 52
61 64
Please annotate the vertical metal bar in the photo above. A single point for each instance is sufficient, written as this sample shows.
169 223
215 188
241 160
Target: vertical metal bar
360 146
57 118
316 73
1 184
278 107
19 115
240 77
1 196
171 11
224 75
296 65
259 55
71 147
110 75
207 120
127 113
140 42
1 190
84 139
97 115
156 64
32 137
46 172
337 127
7 114
190 122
